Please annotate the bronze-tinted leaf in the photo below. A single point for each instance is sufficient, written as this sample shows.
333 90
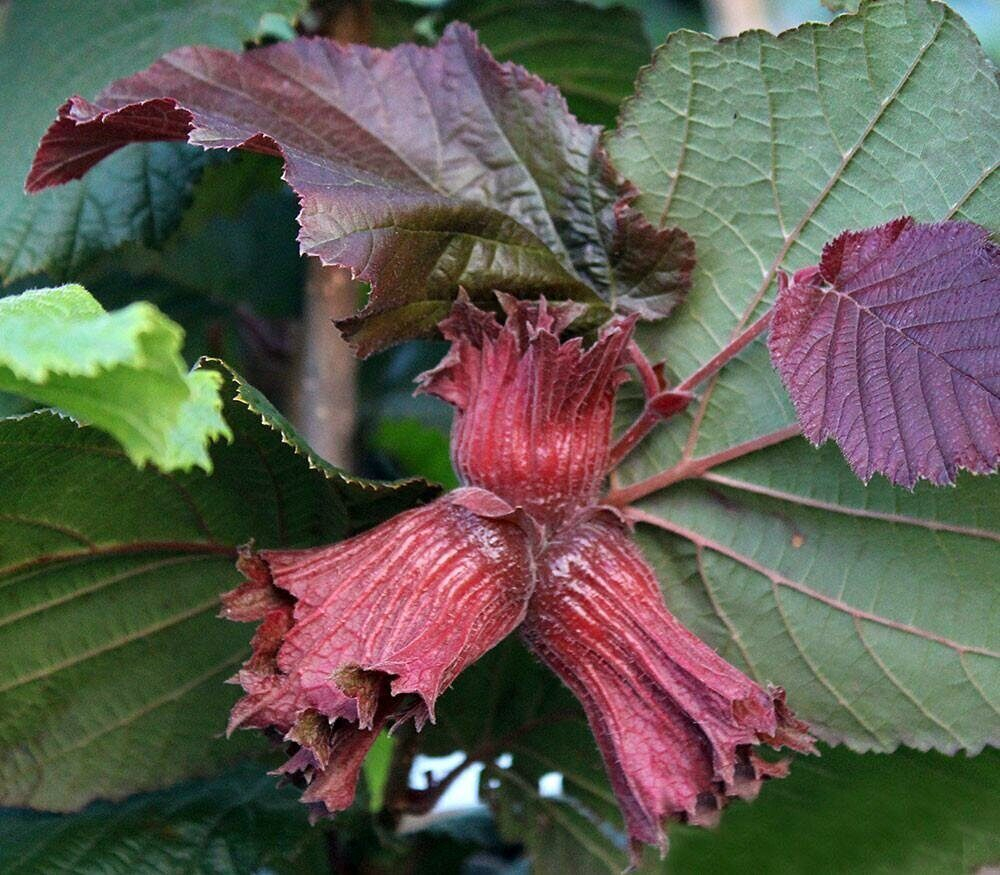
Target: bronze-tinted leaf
421 169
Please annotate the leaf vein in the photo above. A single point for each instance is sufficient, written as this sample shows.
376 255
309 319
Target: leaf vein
779 579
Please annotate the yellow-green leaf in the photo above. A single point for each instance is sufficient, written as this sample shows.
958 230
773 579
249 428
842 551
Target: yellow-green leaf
120 371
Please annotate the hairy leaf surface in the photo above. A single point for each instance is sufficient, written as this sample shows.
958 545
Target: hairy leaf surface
764 148
121 372
111 657
49 50
875 608
420 169
892 348
234 824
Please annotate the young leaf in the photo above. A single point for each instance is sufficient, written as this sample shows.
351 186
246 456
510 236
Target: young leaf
892 348
716 141
48 50
235 824
420 169
121 372
111 659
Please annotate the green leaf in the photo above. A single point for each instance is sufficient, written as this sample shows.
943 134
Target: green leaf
873 607
417 448
591 54
919 813
662 17
231 266
399 21
235 824
237 242
51 50
841 812
121 372
376 769
559 834
111 659
764 147
590 50
12 405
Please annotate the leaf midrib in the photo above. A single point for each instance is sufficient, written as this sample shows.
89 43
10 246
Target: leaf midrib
810 211
865 513
780 579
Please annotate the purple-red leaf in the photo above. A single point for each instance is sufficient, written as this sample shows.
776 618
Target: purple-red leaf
421 169
891 346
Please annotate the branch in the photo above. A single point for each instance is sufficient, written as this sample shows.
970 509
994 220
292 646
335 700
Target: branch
403 799
323 392
323 403
661 405
689 468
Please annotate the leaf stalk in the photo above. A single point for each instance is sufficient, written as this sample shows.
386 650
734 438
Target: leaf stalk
662 403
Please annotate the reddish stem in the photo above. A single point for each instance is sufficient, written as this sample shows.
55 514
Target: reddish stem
688 468
647 421
650 382
727 353
635 433
649 418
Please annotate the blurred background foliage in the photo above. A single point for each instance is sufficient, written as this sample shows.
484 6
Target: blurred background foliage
216 250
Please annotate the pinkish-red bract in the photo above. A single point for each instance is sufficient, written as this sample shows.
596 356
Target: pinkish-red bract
369 632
